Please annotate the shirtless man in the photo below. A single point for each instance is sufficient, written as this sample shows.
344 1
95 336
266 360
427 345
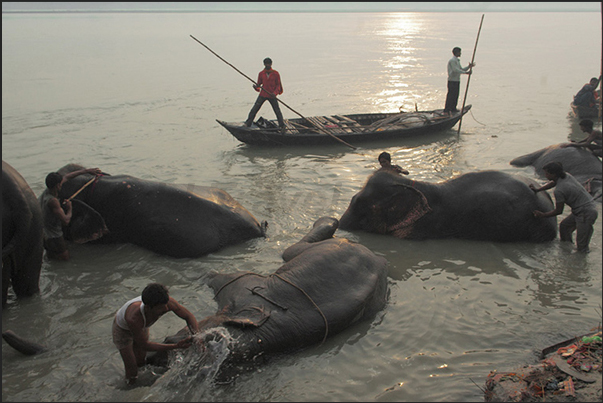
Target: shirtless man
594 140
385 160
53 214
132 322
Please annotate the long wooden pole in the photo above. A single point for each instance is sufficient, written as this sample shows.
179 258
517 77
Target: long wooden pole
293 110
469 78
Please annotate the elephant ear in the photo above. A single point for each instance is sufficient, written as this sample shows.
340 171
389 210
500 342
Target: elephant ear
249 316
398 212
86 223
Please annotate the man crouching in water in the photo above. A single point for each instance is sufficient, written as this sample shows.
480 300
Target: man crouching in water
132 322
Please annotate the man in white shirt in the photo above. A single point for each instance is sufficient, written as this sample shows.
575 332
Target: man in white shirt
133 320
454 80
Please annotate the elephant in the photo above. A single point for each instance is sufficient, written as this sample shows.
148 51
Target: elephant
326 285
22 238
482 206
579 162
174 220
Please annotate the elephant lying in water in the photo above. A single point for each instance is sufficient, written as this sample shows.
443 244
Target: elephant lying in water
325 286
174 220
487 206
580 163
22 244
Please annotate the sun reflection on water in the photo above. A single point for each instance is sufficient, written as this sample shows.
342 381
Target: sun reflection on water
399 63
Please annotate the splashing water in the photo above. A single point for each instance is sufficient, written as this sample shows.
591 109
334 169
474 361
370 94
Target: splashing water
214 345
200 363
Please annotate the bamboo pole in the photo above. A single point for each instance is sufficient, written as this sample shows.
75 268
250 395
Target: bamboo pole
261 88
82 188
469 78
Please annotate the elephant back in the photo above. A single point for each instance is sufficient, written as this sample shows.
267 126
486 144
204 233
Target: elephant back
170 219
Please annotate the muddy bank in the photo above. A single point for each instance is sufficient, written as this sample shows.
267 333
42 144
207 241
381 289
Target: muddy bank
568 372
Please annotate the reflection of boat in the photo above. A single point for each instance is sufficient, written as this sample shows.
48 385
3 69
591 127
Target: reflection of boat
354 128
585 111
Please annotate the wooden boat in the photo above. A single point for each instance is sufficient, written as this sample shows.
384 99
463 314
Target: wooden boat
585 112
351 129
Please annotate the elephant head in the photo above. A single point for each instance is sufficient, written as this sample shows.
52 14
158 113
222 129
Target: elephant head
487 205
86 224
388 204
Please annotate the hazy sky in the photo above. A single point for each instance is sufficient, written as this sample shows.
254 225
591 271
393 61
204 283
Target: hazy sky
302 6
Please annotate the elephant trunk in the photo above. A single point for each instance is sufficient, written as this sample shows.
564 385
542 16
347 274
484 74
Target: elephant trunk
22 345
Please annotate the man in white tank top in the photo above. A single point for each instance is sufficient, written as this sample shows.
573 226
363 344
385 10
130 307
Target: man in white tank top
132 322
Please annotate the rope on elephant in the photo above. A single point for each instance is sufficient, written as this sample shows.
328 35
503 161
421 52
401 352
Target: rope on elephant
288 282
235 279
313 303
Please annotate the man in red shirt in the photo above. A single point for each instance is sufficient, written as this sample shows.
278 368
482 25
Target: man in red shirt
269 86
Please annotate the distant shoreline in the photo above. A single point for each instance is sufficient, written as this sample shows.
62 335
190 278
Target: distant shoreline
284 11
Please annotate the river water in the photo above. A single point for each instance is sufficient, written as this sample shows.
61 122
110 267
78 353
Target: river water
134 94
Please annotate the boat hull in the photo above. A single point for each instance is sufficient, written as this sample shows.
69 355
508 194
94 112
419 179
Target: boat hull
296 135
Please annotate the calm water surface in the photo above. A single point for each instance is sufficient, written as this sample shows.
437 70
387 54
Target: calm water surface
134 94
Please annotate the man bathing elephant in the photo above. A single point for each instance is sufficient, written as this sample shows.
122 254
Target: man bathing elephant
22 247
581 163
56 216
174 220
133 320
569 191
487 206
325 286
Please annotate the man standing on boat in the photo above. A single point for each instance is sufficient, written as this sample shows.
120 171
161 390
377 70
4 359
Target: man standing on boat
454 80
269 86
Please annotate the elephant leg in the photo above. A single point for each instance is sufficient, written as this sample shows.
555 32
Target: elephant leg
323 228
25 274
